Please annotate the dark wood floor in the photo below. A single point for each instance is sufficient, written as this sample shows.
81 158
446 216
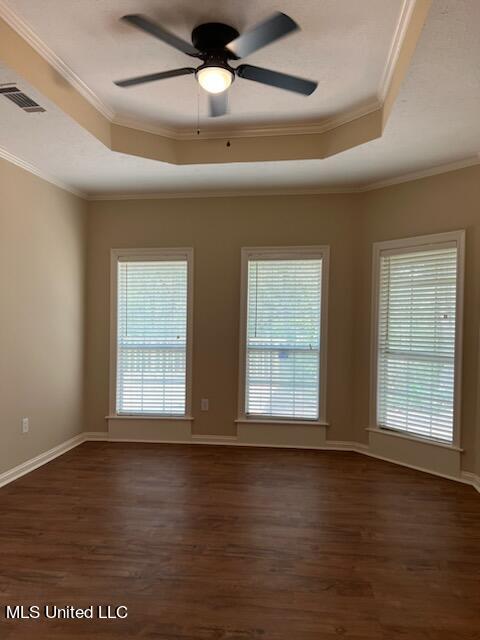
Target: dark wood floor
223 543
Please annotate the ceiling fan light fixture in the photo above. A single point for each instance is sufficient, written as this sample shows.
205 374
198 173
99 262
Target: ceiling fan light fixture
215 44
214 79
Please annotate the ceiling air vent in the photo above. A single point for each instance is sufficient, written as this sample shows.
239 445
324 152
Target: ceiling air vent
21 99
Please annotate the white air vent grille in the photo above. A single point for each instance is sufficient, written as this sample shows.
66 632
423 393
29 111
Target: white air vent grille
21 99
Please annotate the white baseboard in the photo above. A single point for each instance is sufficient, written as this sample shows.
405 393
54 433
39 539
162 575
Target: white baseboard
345 445
330 445
231 441
447 476
102 436
227 441
90 436
216 440
38 461
471 478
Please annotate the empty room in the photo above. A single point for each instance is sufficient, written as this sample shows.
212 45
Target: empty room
240 319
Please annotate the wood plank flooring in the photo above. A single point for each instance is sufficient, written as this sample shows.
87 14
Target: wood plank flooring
224 543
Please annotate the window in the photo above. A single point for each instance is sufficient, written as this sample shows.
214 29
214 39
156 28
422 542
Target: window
152 331
283 333
418 320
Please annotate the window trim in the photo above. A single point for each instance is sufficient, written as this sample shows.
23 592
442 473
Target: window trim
143 255
405 245
284 253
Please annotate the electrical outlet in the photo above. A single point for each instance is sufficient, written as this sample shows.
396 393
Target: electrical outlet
25 425
204 404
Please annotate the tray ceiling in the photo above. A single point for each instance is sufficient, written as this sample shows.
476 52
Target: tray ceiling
433 127
346 46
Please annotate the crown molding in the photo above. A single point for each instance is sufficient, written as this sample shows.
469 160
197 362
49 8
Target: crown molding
9 157
425 173
24 30
401 29
373 186
322 126
238 193
327 124
174 195
24 53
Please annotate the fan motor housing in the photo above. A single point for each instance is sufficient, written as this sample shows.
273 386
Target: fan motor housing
212 37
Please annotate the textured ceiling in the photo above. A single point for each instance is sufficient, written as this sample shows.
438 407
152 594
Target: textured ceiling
434 122
344 45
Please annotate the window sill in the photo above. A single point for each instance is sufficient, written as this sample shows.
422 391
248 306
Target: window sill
418 439
255 420
134 416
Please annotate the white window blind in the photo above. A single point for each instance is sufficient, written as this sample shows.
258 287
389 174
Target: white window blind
416 341
283 338
152 337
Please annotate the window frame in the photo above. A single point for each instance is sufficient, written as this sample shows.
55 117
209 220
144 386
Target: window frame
284 253
407 245
145 255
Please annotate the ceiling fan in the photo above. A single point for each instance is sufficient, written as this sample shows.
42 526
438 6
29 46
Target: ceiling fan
215 44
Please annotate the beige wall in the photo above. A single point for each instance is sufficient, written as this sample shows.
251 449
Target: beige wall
217 228
42 267
43 240
441 203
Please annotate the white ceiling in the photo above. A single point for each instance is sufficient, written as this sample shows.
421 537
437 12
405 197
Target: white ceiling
435 121
344 45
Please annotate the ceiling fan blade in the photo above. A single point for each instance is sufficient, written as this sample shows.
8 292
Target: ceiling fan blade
145 24
151 77
273 28
218 104
276 79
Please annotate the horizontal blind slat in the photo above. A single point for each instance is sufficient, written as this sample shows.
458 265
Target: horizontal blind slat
151 337
416 342
283 338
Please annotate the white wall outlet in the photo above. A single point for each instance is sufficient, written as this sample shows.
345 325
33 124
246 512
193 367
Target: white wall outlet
204 404
25 425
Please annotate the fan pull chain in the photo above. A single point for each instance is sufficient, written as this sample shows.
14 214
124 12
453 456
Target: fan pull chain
198 110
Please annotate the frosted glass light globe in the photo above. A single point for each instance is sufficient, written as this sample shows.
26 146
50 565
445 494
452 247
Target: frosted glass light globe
214 79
